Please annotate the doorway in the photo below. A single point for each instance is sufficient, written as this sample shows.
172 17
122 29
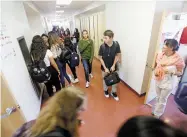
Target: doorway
171 27
11 115
28 62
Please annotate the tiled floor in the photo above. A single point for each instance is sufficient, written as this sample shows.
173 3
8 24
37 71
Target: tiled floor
104 116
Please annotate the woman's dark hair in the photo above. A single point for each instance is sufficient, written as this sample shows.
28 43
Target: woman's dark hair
76 30
144 126
109 33
38 48
172 43
44 35
67 41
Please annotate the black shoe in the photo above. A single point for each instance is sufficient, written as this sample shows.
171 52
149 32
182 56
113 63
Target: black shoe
115 96
106 94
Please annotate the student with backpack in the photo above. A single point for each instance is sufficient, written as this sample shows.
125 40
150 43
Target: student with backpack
86 50
73 59
43 61
56 48
110 55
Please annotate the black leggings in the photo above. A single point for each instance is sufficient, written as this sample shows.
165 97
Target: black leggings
54 81
73 70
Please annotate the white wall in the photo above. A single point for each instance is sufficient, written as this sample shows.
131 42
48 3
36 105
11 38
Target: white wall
13 67
36 23
131 23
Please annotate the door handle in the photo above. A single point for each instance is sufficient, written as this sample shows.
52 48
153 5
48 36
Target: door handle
9 111
147 65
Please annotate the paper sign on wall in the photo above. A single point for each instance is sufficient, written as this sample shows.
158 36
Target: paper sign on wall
6 46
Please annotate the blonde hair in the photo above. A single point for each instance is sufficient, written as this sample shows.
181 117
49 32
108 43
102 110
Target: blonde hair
54 38
61 110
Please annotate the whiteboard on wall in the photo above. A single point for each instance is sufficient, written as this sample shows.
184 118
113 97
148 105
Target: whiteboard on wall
7 48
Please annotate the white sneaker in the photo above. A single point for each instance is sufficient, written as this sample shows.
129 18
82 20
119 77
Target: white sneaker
75 81
106 94
115 96
87 84
91 75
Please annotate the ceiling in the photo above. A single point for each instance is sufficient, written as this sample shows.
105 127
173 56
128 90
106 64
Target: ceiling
48 8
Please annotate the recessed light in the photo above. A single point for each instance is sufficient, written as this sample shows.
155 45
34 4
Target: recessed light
63 2
58 6
59 11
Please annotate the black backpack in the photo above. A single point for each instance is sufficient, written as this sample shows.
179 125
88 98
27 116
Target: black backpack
112 78
70 56
74 60
181 97
65 54
39 71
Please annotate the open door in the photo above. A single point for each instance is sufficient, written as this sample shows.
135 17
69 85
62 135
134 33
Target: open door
171 27
11 115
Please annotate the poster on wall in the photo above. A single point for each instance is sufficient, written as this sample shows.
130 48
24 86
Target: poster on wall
6 46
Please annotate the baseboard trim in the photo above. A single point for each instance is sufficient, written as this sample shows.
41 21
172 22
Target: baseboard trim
140 95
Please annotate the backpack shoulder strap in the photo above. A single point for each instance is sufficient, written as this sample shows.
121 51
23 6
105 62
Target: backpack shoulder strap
103 46
116 43
43 55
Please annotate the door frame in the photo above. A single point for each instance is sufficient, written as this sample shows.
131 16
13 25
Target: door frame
35 85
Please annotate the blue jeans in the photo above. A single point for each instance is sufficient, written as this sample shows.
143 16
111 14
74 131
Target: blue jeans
62 68
87 68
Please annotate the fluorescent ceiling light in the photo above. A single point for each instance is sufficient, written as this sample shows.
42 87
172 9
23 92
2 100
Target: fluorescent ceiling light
57 15
59 11
57 6
63 2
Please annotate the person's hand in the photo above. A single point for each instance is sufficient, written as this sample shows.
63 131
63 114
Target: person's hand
166 71
107 71
90 60
112 68
58 72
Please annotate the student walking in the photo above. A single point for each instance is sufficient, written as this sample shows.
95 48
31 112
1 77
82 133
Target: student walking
46 40
110 56
69 45
86 50
76 37
38 49
56 45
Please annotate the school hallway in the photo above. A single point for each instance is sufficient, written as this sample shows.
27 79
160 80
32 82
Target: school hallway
140 28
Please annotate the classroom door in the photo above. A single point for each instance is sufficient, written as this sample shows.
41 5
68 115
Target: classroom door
149 82
92 34
11 116
101 27
96 42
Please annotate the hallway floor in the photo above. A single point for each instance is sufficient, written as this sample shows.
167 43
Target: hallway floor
104 116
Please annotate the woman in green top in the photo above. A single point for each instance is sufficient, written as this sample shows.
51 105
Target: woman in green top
86 49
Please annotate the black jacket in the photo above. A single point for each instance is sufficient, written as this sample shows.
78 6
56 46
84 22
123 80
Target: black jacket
58 132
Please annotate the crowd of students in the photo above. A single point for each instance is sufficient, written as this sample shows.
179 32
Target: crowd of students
50 47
